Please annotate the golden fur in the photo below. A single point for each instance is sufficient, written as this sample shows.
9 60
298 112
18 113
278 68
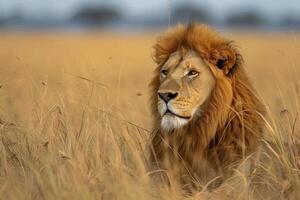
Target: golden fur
230 126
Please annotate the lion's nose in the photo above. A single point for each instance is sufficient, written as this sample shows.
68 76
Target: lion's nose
167 96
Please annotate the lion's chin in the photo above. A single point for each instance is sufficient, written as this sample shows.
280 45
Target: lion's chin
171 122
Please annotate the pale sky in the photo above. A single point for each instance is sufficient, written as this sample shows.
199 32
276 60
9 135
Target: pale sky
219 8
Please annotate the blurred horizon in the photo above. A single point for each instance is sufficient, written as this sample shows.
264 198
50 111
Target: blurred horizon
124 14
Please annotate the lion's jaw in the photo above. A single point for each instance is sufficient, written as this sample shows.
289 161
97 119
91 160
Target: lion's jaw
191 90
169 118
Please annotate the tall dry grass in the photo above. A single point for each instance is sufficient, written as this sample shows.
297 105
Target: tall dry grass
74 118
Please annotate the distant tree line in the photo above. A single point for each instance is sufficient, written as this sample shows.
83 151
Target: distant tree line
101 15
187 13
97 15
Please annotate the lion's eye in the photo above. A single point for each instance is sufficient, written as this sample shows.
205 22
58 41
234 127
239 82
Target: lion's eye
192 74
164 73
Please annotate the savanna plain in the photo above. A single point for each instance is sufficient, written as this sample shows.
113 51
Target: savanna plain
75 118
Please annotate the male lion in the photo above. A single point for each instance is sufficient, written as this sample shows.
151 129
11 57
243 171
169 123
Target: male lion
207 116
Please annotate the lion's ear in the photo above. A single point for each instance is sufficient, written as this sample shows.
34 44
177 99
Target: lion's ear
224 57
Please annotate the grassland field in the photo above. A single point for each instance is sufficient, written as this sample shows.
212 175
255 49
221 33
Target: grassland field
74 115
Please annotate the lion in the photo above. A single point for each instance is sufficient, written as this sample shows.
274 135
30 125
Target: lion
207 116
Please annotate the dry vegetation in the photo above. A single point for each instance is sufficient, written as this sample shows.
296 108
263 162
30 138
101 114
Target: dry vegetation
74 118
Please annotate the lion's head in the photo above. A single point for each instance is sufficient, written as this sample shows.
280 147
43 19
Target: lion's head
190 61
186 83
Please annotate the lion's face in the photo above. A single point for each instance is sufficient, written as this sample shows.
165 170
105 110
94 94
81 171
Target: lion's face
185 84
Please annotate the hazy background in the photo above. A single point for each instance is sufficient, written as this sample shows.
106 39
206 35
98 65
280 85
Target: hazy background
124 14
